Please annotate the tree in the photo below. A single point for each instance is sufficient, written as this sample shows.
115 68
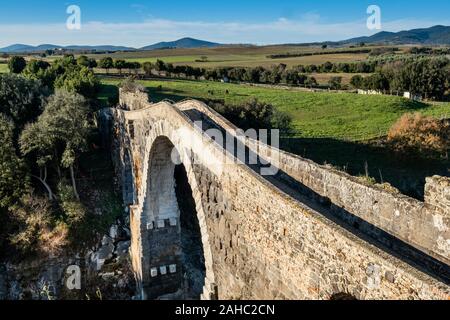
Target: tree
37 143
324 46
59 135
83 61
80 80
20 98
335 83
106 63
311 82
42 71
148 67
86 62
13 179
357 81
160 65
120 64
17 64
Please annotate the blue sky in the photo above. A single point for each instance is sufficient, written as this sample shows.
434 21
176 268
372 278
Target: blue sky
138 23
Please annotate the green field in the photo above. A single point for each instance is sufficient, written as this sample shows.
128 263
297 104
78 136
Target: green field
343 116
238 56
3 68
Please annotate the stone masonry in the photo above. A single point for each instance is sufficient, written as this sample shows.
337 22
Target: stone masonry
292 236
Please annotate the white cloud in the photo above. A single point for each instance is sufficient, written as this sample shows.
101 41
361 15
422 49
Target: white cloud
308 29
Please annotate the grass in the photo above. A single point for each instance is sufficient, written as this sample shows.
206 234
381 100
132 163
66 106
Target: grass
4 68
242 56
343 116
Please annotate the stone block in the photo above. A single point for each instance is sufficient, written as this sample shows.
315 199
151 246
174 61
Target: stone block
163 270
161 224
173 222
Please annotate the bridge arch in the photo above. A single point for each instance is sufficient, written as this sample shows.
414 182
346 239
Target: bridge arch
160 247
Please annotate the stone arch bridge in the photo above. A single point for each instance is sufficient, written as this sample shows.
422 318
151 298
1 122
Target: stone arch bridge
306 232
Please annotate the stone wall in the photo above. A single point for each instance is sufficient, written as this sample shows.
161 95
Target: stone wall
133 100
424 225
437 193
260 243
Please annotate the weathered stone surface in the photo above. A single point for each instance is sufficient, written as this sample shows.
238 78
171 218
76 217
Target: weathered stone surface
263 237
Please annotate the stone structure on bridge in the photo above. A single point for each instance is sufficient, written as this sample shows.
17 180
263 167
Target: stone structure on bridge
308 232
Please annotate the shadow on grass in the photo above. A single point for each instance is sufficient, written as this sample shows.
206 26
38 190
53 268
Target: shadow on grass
407 174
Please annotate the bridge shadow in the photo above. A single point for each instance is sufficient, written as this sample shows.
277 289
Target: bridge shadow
340 216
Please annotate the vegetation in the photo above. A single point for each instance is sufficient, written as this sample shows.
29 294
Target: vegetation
427 77
45 203
416 133
20 98
16 64
314 115
253 114
13 180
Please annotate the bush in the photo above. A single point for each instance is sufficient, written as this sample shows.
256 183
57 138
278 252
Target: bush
13 179
73 209
17 64
255 115
425 135
130 85
80 80
37 231
20 98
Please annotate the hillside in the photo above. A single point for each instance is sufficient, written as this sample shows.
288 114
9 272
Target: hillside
437 35
185 43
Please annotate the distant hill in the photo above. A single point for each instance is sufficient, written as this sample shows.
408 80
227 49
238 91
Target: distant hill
185 43
23 48
437 35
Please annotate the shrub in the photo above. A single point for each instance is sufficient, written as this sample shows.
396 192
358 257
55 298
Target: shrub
73 209
17 64
20 98
425 135
13 179
37 232
80 80
254 114
130 85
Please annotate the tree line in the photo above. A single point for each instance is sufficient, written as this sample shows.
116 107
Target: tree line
47 122
426 77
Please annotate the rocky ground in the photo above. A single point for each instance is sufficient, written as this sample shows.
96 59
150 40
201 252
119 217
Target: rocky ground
105 273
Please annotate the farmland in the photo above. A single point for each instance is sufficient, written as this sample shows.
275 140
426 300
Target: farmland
326 115
3 68
331 128
239 56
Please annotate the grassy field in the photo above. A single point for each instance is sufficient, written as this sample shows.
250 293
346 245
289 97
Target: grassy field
3 68
343 116
238 56
332 128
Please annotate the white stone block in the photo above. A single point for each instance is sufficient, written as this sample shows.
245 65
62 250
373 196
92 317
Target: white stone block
173 268
173 222
161 224
153 272
163 270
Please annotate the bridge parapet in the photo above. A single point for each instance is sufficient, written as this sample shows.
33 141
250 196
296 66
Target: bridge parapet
424 225
265 243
